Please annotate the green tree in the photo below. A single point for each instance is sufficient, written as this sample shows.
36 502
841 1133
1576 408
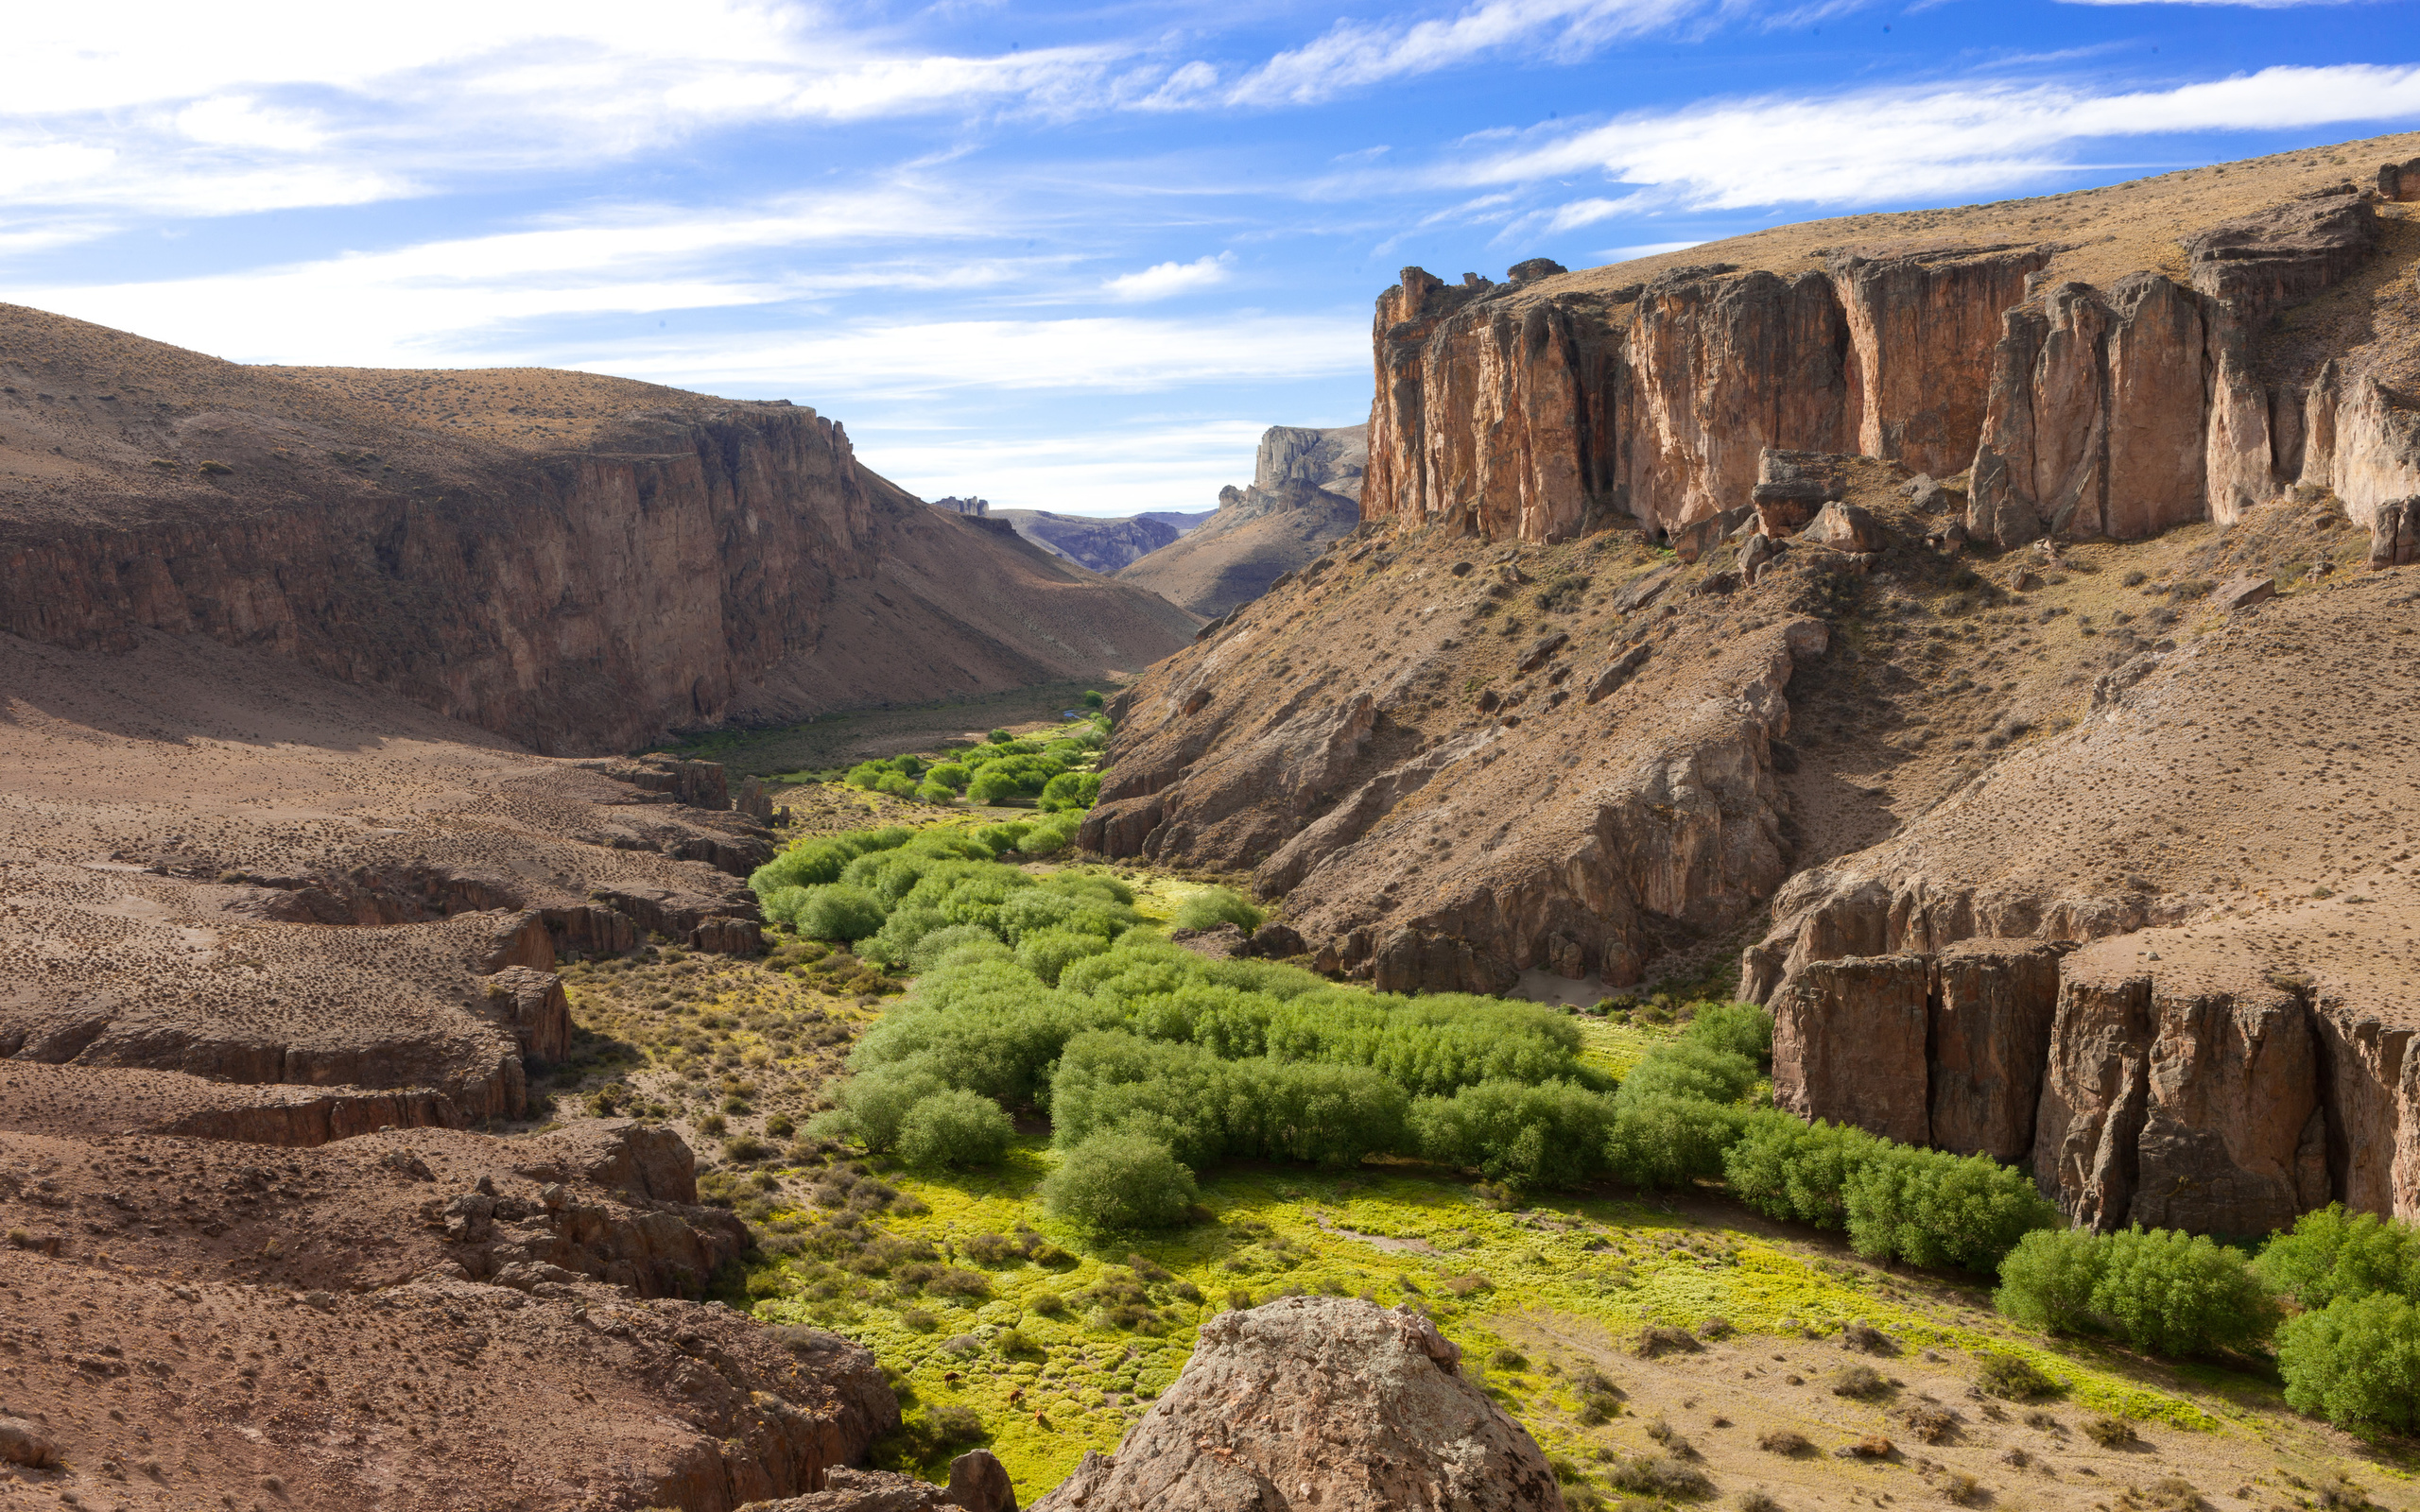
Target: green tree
954 1128
2355 1362
2332 1254
838 912
1119 1180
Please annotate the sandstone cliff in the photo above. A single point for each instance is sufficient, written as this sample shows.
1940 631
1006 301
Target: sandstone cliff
2105 363
581 564
1306 492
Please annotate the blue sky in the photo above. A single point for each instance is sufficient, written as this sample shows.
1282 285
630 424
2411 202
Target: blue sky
1070 258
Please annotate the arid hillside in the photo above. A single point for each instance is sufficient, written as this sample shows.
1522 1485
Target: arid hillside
1306 492
582 563
1912 612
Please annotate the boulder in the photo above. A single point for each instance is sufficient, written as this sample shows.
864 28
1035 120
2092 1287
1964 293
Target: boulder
1533 270
1846 527
1276 941
1543 649
2394 533
2242 593
1755 556
22 1443
1621 669
1317 1401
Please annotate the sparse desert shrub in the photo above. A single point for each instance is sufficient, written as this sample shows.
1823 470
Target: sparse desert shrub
2109 1431
1930 1421
989 1249
1758 1500
1659 1475
1049 1304
1507 1359
1861 1381
2169 1493
954 1128
1212 906
1785 1441
745 1149
1960 1488
1660 1340
1873 1446
1868 1338
1716 1328
2013 1378
1120 1181
920 1320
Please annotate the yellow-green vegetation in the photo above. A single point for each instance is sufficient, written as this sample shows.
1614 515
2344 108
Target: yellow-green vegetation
835 741
1062 1342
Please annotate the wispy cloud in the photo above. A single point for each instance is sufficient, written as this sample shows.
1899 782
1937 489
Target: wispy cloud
1115 470
1355 55
1162 279
1949 141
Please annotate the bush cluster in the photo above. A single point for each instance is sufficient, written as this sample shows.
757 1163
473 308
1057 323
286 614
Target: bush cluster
1895 1201
2353 1354
2160 1291
1001 769
886 890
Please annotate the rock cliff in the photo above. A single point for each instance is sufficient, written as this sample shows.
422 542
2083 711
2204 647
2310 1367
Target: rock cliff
581 564
1306 492
1534 409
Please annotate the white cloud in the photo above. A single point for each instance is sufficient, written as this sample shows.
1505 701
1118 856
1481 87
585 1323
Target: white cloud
1163 280
1945 142
433 302
2249 5
1355 54
1626 254
231 120
1112 470
915 359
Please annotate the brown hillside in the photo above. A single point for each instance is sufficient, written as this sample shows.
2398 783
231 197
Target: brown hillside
581 562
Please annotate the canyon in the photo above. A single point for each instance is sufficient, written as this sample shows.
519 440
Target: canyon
1983 626
1306 492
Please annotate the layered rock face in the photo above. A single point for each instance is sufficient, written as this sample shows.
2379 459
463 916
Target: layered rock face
1532 410
1306 492
667 562
1319 1401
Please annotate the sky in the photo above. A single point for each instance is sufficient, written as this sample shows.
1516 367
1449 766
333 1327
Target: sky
1071 257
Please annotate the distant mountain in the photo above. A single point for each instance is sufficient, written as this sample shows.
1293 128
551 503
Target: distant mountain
1103 546
1305 492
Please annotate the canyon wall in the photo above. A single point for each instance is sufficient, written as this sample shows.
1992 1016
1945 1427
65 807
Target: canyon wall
1538 408
670 563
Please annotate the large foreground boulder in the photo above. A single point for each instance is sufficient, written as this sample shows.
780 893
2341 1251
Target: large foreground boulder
1315 1402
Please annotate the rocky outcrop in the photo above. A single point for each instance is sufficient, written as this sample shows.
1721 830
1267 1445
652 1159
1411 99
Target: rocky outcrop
978 1483
1306 492
1317 1401
1103 546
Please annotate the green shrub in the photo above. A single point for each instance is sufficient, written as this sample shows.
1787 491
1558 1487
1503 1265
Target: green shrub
2047 1281
2330 1255
1001 737
1669 1141
930 951
874 1107
1071 790
1543 1136
1737 1028
2013 1378
932 792
1931 1208
2354 1362
2178 1294
1048 952
897 786
1212 906
1052 836
1119 1180
2161 1291
1789 1170
837 912
1093 699
954 1128
1686 1067
952 775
